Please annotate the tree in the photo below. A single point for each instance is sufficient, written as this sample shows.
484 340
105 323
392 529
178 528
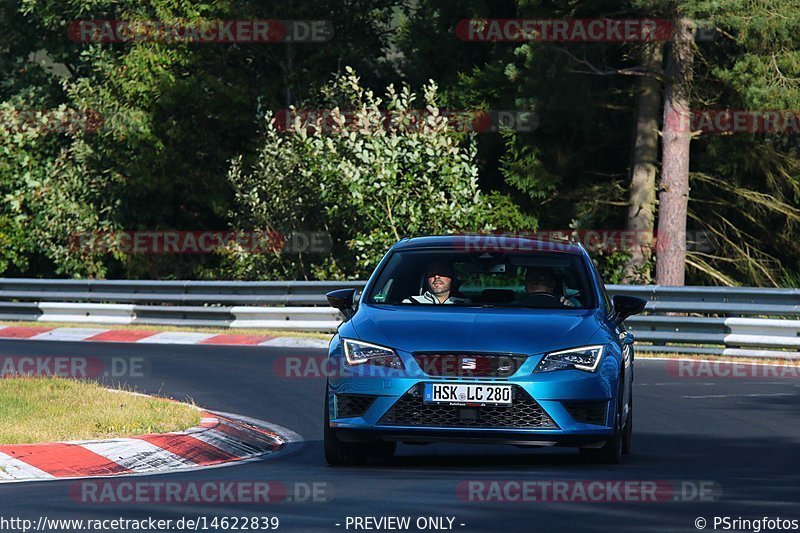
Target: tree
644 165
745 186
176 114
674 188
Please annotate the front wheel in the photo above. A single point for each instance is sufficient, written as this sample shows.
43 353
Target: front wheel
611 452
627 436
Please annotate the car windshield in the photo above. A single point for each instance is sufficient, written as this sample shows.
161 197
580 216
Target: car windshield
532 280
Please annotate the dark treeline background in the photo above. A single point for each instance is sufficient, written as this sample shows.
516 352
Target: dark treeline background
186 141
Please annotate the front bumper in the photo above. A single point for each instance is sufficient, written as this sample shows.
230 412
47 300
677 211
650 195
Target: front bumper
552 401
433 435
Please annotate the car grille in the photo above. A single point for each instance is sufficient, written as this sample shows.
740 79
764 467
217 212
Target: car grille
350 405
524 413
465 365
588 412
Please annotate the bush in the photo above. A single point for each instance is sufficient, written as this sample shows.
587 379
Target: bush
377 171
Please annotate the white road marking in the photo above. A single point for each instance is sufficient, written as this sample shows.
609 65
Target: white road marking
13 468
176 337
754 395
67 334
137 455
295 342
678 384
226 443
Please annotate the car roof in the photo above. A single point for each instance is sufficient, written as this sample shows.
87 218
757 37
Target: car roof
480 242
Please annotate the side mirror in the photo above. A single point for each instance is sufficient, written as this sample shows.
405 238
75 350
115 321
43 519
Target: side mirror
342 299
625 306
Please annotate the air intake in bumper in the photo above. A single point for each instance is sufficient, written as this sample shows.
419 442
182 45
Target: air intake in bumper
352 405
588 412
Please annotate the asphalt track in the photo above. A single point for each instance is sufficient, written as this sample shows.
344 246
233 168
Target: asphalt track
742 434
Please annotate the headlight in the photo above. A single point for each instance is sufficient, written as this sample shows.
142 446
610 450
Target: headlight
585 358
360 352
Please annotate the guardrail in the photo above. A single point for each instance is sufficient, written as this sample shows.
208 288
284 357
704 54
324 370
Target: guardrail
704 320
299 293
738 321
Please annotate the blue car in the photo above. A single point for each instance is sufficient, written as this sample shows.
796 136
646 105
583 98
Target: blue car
480 339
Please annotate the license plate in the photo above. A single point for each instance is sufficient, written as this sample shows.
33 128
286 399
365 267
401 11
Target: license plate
467 394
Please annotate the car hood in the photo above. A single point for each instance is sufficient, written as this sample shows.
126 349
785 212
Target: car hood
513 330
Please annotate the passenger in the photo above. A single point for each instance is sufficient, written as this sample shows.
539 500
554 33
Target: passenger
541 280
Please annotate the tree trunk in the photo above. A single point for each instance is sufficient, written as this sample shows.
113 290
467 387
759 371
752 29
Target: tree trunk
644 166
673 195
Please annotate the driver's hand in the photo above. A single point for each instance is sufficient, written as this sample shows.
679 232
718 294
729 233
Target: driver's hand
565 302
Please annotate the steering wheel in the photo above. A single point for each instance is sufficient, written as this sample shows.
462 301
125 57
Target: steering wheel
541 299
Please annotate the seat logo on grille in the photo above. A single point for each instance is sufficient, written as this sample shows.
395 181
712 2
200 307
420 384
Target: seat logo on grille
468 363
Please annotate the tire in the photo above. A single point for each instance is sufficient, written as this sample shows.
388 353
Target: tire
627 436
340 453
611 452
381 452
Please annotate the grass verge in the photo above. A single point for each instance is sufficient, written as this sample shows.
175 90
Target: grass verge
37 409
218 331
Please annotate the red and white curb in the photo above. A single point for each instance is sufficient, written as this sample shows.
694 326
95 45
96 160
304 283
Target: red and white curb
42 333
219 440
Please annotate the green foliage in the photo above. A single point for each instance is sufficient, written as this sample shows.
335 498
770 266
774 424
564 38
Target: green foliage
762 60
47 198
791 279
612 265
365 183
523 169
175 116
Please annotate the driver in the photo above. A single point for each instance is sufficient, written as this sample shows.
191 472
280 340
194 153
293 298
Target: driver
439 280
542 281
